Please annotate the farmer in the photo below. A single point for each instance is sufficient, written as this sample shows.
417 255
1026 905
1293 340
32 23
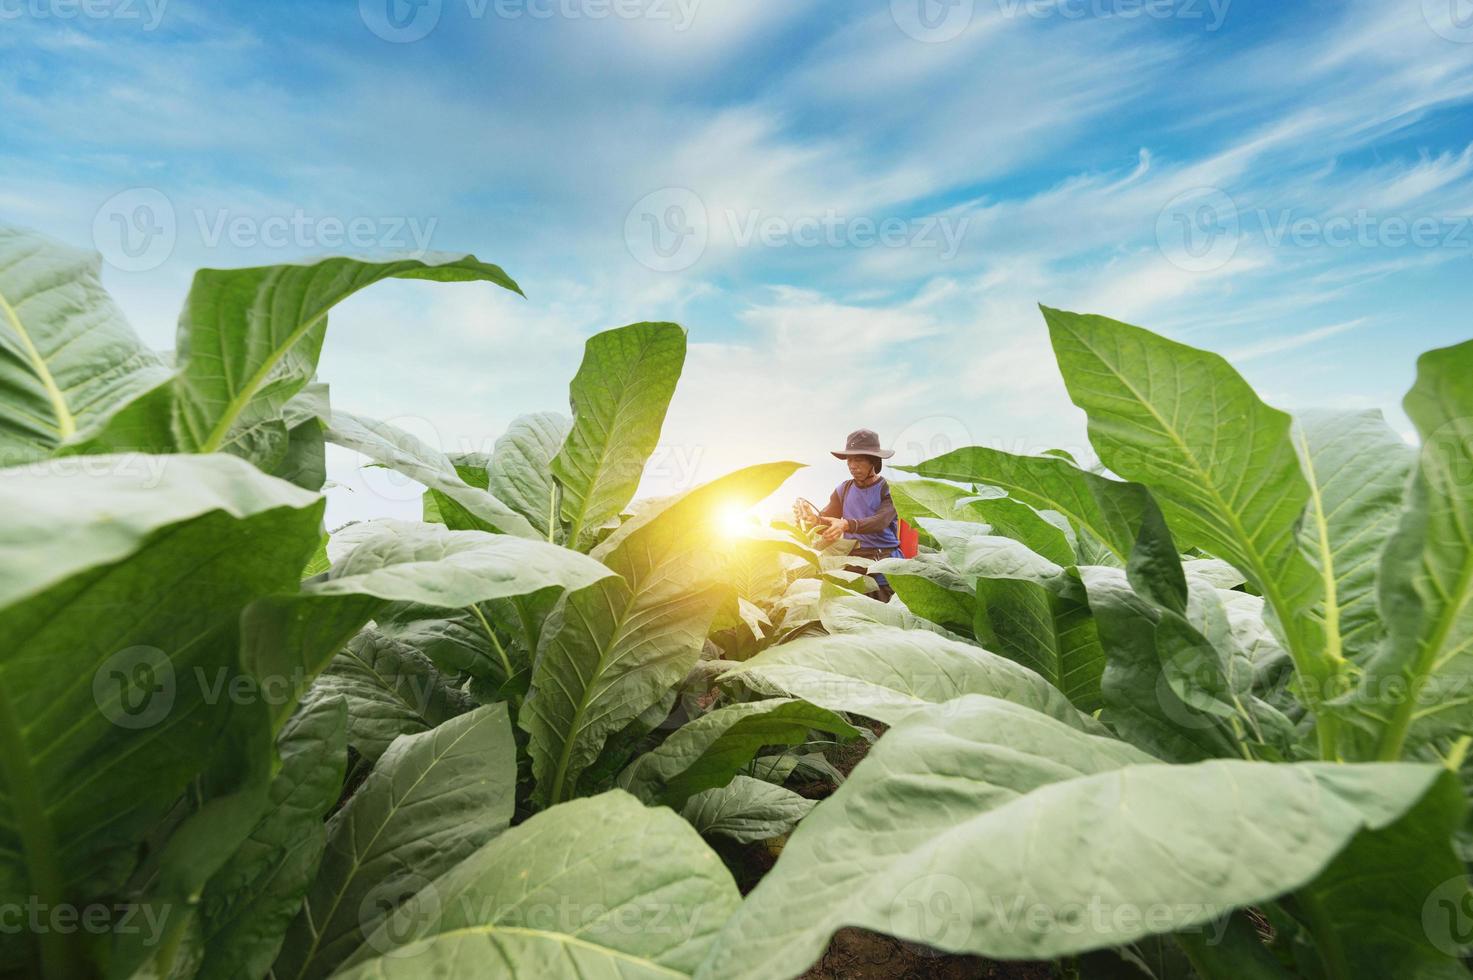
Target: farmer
860 508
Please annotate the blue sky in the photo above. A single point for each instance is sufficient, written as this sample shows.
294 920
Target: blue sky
853 206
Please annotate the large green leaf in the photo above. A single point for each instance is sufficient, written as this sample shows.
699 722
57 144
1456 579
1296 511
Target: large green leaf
1420 685
432 800
460 505
68 359
843 611
986 828
249 340
1110 511
915 499
249 903
611 651
1221 462
610 654
746 810
492 641
601 888
1357 468
619 397
1053 635
933 590
974 552
120 596
520 470
708 751
306 418
1020 522
1380 909
390 688
1140 702
888 673
290 638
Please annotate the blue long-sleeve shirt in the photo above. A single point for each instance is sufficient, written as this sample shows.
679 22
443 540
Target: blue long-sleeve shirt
869 511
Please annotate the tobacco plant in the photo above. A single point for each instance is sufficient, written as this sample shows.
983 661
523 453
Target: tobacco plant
1229 676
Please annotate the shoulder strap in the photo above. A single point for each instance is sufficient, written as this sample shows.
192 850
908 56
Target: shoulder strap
844 493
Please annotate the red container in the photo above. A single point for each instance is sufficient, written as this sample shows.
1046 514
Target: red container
910 540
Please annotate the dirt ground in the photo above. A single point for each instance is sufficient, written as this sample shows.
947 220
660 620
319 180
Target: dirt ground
855 954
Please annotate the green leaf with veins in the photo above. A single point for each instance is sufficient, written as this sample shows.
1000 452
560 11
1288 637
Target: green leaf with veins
746 810
461 506
611 651
1419 686
249 340
250 902
706 752
1222 464
120 600
69 361
619 398
596 888
990 811
431 800
887 673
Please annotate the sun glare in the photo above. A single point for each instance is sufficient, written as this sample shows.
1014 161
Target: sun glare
734 521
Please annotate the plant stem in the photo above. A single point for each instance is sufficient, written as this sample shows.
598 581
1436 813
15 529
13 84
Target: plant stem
1332 954
491 635
1459 752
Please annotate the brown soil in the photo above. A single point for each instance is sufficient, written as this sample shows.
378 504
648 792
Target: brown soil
846 757
856 954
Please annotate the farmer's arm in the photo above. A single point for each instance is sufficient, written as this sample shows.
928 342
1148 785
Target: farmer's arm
834 508
882 518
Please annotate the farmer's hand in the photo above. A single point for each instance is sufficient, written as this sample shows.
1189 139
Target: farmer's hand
835 529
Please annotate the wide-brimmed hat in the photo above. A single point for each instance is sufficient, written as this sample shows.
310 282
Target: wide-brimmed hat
863 442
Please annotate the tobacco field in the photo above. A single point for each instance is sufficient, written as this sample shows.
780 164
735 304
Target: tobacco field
1202 710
